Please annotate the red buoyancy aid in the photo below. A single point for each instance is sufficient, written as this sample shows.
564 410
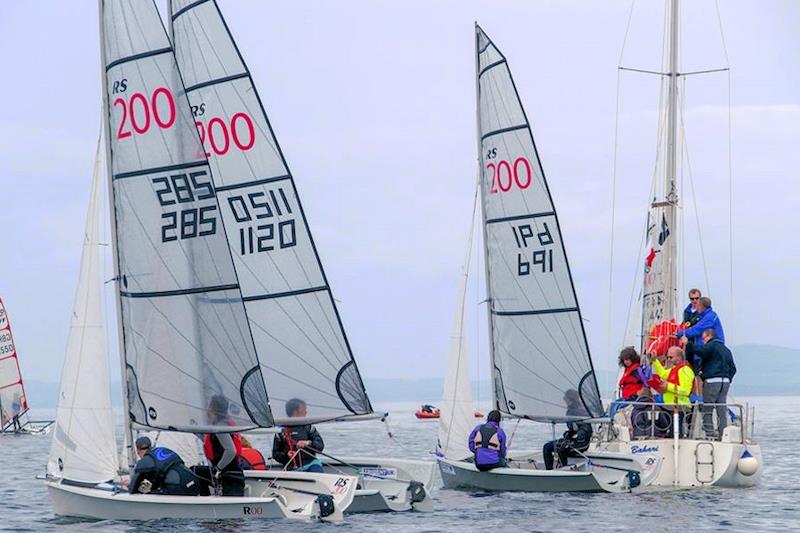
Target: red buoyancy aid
662 337
211 450
254 459
630 383
674 377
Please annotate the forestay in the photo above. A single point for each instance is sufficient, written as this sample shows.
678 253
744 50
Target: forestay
186 335
12 392
297 330
84 447
539 346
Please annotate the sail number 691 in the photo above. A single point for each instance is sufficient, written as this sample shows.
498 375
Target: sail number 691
505 175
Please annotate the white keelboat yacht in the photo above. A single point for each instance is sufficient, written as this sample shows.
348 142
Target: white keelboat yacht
732 458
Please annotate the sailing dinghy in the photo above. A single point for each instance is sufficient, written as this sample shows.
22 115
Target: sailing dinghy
298 334
14 419
732 459
537 342
183 331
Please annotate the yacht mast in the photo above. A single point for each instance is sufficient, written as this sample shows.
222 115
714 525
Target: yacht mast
670 201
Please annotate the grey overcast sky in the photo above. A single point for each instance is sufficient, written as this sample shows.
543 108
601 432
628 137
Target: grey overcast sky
373 104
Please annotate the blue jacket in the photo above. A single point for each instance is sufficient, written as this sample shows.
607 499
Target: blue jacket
708 319
485 455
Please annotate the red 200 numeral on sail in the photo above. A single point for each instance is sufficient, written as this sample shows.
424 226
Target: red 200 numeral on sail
139 113
138 110
505 175
219 135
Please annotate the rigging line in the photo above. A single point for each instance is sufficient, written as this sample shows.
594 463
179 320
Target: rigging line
694 203
730 163
609 347
272 142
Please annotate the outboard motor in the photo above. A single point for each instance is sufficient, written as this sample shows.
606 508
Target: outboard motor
416 490
326 505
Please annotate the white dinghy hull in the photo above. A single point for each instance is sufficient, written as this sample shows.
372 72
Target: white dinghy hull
287 495
382 483
522 477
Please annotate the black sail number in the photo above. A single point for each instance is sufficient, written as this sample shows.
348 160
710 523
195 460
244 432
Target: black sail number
526 236
265 221
183 221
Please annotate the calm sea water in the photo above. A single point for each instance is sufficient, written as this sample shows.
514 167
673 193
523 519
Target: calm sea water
774 505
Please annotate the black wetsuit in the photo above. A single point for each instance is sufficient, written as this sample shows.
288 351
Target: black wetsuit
166 472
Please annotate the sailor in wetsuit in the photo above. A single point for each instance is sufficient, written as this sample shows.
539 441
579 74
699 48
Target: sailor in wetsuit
488 443
161 471
296 447
223 451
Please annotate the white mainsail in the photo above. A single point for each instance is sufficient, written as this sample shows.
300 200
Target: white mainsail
456 409
84 447
298 334
13 402
186 338
539 347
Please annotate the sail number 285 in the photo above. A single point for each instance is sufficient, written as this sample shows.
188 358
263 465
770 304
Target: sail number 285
505 175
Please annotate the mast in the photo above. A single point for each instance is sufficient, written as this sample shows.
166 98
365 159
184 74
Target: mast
126 420
670 177
479 161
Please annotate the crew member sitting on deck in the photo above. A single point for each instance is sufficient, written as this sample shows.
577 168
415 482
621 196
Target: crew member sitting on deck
488 443
223 451
631 382
576 438
674 381
161 471
251 458
296 447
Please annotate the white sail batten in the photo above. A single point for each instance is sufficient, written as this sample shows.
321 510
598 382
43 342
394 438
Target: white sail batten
539 344
186 338
13 402
84 447
298 334
456 409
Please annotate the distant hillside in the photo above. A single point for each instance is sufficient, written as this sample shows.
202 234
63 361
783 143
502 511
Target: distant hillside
766 370
762 371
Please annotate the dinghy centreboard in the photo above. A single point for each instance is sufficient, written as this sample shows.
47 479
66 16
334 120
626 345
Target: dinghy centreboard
298 333
538 346
183 330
